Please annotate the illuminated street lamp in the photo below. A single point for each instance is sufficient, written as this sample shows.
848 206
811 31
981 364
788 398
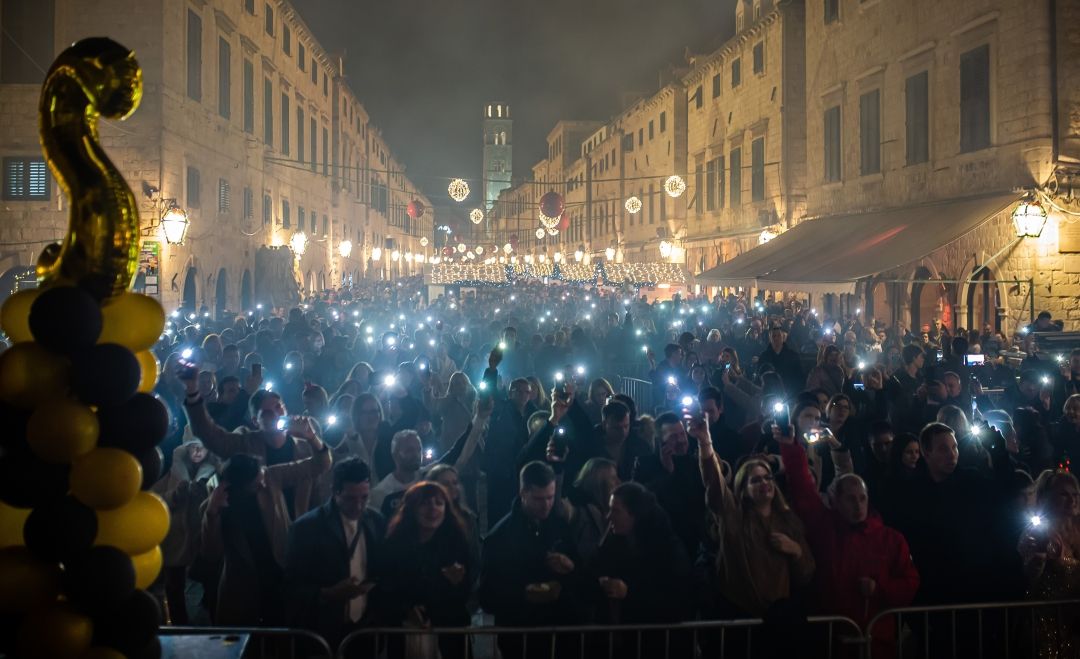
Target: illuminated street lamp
1029 218
174 224
609 253
298 243
345 248
376 254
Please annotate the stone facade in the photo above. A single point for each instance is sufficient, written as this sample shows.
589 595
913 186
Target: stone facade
891 49
250 126
746 134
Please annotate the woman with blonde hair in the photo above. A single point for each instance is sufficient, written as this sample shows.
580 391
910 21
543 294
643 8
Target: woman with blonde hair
1050 550
599 392
539 397
762 555
455 409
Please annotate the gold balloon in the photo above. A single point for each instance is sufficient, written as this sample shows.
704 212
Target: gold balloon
30 374
135 528
149 369
147 567
54 632
62 430
93 77
11 525
106 478
15 315
133 321
26 581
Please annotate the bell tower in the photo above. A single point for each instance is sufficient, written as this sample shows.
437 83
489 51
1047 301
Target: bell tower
498 151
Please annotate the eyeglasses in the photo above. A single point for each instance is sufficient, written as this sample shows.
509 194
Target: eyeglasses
758 480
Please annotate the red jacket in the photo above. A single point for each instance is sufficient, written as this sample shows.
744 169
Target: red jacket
846 553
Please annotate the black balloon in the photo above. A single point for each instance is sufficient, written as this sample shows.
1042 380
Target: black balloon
102 577
60 530
13 437
26 481
135 425
150 459
106 374
65 319
130 626
151 650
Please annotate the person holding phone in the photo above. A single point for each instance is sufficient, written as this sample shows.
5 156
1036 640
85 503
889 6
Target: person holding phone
762 557
1050 548
246 523
334 556
862 566
273 438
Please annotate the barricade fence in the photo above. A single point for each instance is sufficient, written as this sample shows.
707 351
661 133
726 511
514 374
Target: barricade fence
835 637
1004 630
639 390
1001 630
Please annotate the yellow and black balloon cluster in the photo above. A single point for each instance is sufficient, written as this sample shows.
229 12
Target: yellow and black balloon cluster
79 428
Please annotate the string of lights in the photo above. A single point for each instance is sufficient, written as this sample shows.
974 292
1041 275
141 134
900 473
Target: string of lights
610 274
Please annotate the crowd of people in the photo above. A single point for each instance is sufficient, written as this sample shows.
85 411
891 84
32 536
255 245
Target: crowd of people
376 458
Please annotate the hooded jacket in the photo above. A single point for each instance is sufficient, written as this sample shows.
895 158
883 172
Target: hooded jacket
846 553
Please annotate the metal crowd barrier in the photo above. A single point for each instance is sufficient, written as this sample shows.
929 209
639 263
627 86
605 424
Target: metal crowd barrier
1000 630
640 390
838 637
261 642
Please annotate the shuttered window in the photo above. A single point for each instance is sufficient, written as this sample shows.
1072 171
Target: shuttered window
26 179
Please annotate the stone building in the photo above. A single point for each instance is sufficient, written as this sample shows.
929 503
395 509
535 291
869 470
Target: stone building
746 134
246 123
926 122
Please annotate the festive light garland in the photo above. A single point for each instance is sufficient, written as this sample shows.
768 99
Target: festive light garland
540 233
642 274
458 190
610 274
633 205
674 186
476 216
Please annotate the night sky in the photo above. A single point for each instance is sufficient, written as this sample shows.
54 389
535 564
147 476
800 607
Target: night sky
425 68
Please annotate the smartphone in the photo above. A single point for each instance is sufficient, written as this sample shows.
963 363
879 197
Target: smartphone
812 436
974 360
860 386
782 418
940 355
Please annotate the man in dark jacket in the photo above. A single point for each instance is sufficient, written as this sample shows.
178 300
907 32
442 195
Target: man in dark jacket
332 559
673 475
507 434
784 361
726 441
955 521
528 573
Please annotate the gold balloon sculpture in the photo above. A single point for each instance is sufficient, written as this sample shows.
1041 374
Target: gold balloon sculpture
79 532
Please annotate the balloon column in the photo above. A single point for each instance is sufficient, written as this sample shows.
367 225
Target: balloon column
79 532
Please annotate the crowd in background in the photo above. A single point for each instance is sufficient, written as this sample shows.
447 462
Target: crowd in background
377 458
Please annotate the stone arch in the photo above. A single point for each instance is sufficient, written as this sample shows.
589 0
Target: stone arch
221 294
984 299
190 294
246 303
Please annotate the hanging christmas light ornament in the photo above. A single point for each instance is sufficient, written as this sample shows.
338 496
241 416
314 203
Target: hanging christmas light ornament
415 209
552 204
424 241
609 253
479 249
458 189
461 248
507 248
540 233
345 248
674 186
470 255
633 205
476 215
552 231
